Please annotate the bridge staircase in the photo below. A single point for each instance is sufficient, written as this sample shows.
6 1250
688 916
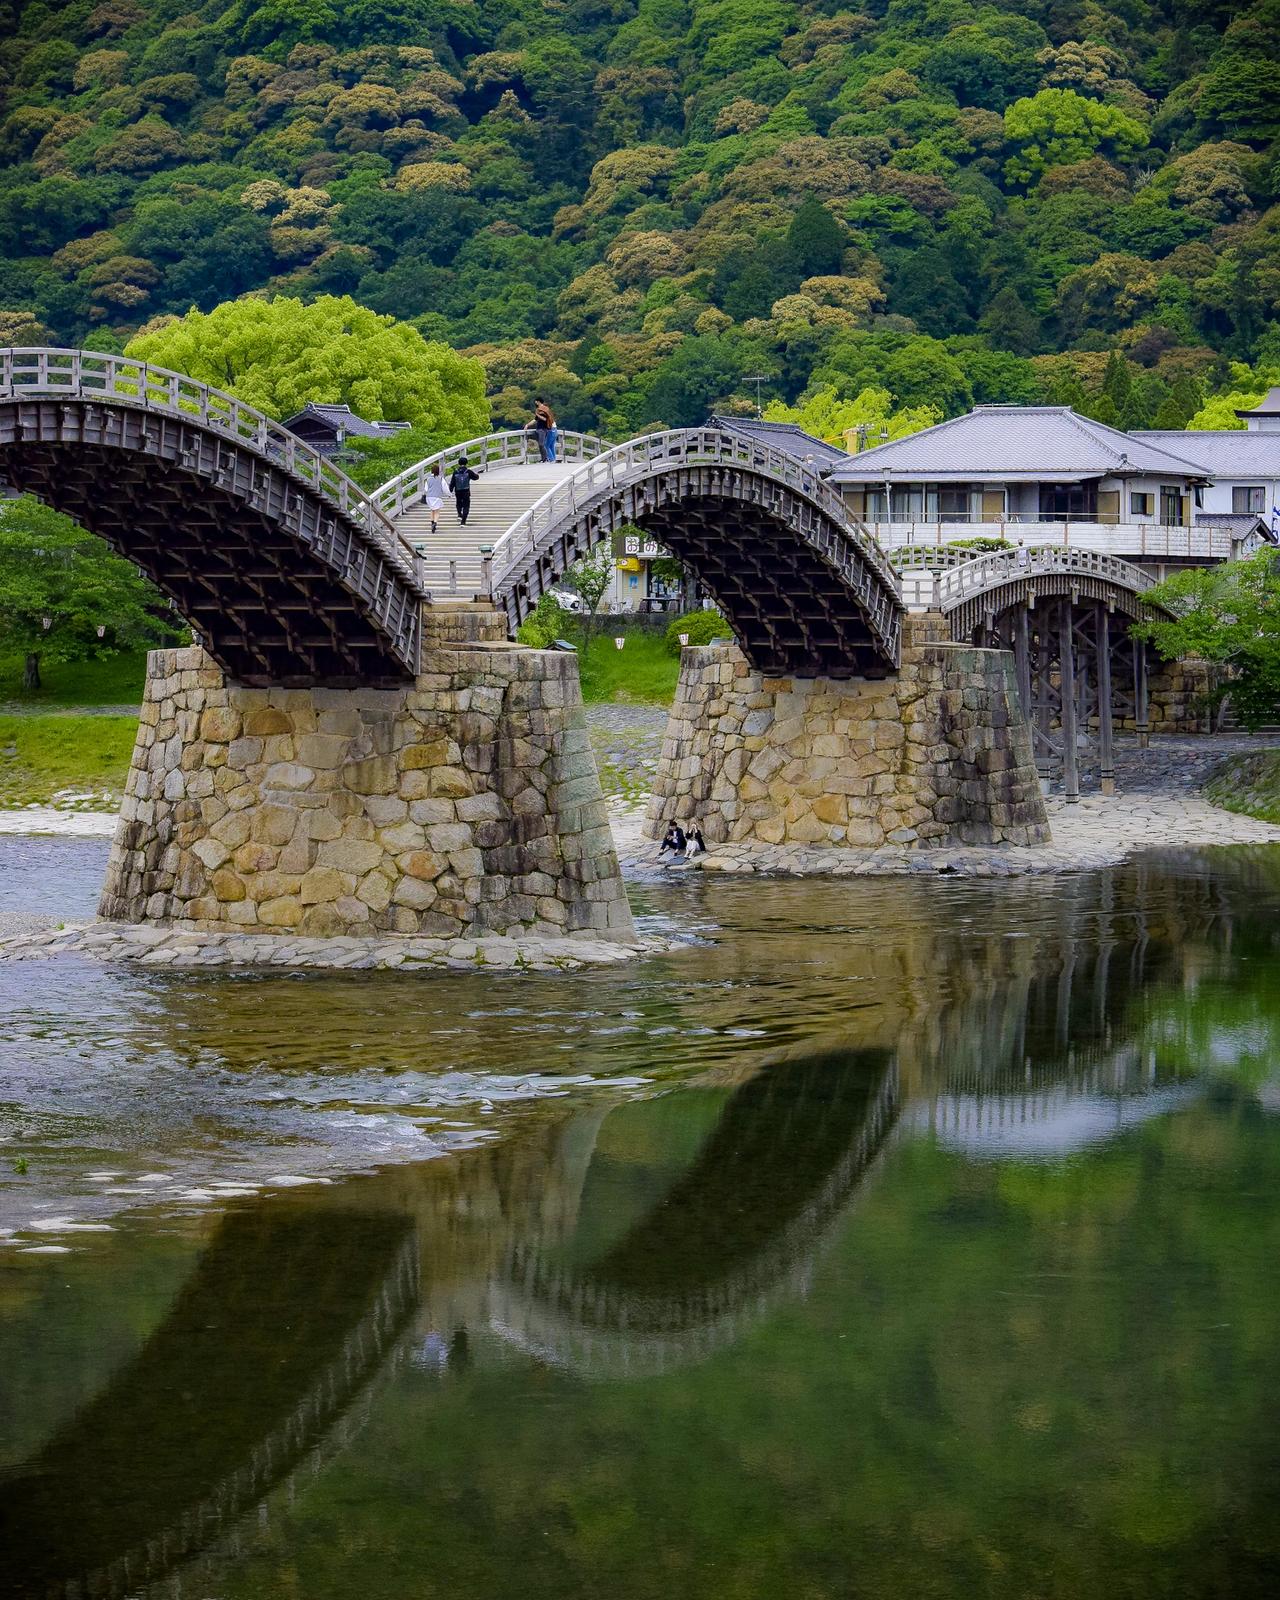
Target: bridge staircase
512 480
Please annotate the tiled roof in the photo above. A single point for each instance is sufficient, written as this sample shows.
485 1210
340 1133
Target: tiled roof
1240 523
1224 453
345 418
1011 443
783 436
1268 406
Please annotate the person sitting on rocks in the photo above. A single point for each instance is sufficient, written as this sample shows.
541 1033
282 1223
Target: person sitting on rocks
674 841
695 845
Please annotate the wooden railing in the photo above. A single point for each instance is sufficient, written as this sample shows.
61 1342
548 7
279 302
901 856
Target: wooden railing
657 454
945 587
512 449
47 373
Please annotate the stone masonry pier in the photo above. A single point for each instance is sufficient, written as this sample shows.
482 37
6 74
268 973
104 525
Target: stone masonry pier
465 803
938 754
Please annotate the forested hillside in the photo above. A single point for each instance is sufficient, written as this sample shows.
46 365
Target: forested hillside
634 204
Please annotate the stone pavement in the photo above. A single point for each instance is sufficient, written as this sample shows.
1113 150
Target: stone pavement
179 946
1158 806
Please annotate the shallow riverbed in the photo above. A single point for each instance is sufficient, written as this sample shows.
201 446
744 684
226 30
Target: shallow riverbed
886 1237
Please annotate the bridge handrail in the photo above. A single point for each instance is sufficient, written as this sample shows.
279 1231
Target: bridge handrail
45 371
516 447
640 458
946 588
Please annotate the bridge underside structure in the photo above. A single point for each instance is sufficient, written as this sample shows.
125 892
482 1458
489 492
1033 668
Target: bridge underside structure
1066 616
285 569
806 591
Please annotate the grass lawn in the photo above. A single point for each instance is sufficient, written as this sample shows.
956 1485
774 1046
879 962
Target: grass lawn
641 671
108 681
46 757
1249 784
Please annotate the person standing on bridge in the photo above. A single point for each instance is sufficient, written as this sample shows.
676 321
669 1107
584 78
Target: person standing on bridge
434 495
545 430
460 481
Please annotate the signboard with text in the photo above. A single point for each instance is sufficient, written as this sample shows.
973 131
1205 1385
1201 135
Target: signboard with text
638 545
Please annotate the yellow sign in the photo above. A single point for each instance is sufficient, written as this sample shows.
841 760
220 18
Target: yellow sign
629 564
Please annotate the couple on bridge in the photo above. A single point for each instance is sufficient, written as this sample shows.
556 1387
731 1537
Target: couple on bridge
459 485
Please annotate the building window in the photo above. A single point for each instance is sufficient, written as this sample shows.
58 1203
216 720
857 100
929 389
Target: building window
1062 502
1248 497
1170 505
1142 505
953 502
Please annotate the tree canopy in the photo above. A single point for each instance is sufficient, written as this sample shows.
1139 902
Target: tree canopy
279 354
64 595
635 207
1230 615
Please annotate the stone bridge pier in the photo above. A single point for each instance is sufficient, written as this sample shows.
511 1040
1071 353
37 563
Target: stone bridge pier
465 802
937 753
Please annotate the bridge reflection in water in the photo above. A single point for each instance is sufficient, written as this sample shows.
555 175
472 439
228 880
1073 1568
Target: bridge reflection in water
624 1240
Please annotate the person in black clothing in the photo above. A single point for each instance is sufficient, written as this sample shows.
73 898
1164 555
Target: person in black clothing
460 481
675 841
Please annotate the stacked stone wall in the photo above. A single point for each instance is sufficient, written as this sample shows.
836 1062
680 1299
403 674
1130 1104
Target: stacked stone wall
937 754
466 803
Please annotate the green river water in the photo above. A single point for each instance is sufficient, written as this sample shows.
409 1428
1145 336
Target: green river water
887 1239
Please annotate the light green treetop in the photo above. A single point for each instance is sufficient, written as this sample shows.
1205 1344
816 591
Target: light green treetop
827 416
280 354
1059 126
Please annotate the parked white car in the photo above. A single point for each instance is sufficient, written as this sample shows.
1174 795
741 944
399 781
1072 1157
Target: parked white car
569 601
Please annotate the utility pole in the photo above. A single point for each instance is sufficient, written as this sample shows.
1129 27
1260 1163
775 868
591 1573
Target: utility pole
758 378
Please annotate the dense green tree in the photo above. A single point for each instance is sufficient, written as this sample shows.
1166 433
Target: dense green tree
1229 615
60 585
279 354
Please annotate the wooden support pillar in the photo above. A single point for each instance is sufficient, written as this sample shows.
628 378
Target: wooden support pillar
1106 756
1022 659
1067 675
1141 708
1042 681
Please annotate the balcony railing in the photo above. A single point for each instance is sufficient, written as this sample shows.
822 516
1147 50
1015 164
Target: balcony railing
1136 540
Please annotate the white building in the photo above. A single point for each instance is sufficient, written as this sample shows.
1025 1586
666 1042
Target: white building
1244 467
1039 475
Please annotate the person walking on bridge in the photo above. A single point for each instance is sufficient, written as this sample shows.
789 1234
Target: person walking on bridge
434 496
460 481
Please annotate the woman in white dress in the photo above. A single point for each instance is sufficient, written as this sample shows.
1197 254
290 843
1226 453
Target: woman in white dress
435 496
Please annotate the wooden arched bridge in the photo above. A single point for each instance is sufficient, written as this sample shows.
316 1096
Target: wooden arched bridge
291 574
285 568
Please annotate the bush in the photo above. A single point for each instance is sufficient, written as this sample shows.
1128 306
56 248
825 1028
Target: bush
981 544
701 627
547 622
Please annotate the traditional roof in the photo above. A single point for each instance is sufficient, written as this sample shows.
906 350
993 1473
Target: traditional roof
1268 406
343 419
1010 444
1223 452
1240 524
783 436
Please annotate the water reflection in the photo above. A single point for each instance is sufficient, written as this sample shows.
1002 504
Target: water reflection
285 1314
948 1252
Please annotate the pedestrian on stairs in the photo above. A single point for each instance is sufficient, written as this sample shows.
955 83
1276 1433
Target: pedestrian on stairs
435 496
460 481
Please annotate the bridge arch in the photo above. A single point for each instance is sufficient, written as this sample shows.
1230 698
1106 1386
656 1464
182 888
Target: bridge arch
1065 615
974 592
287 570
806 591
